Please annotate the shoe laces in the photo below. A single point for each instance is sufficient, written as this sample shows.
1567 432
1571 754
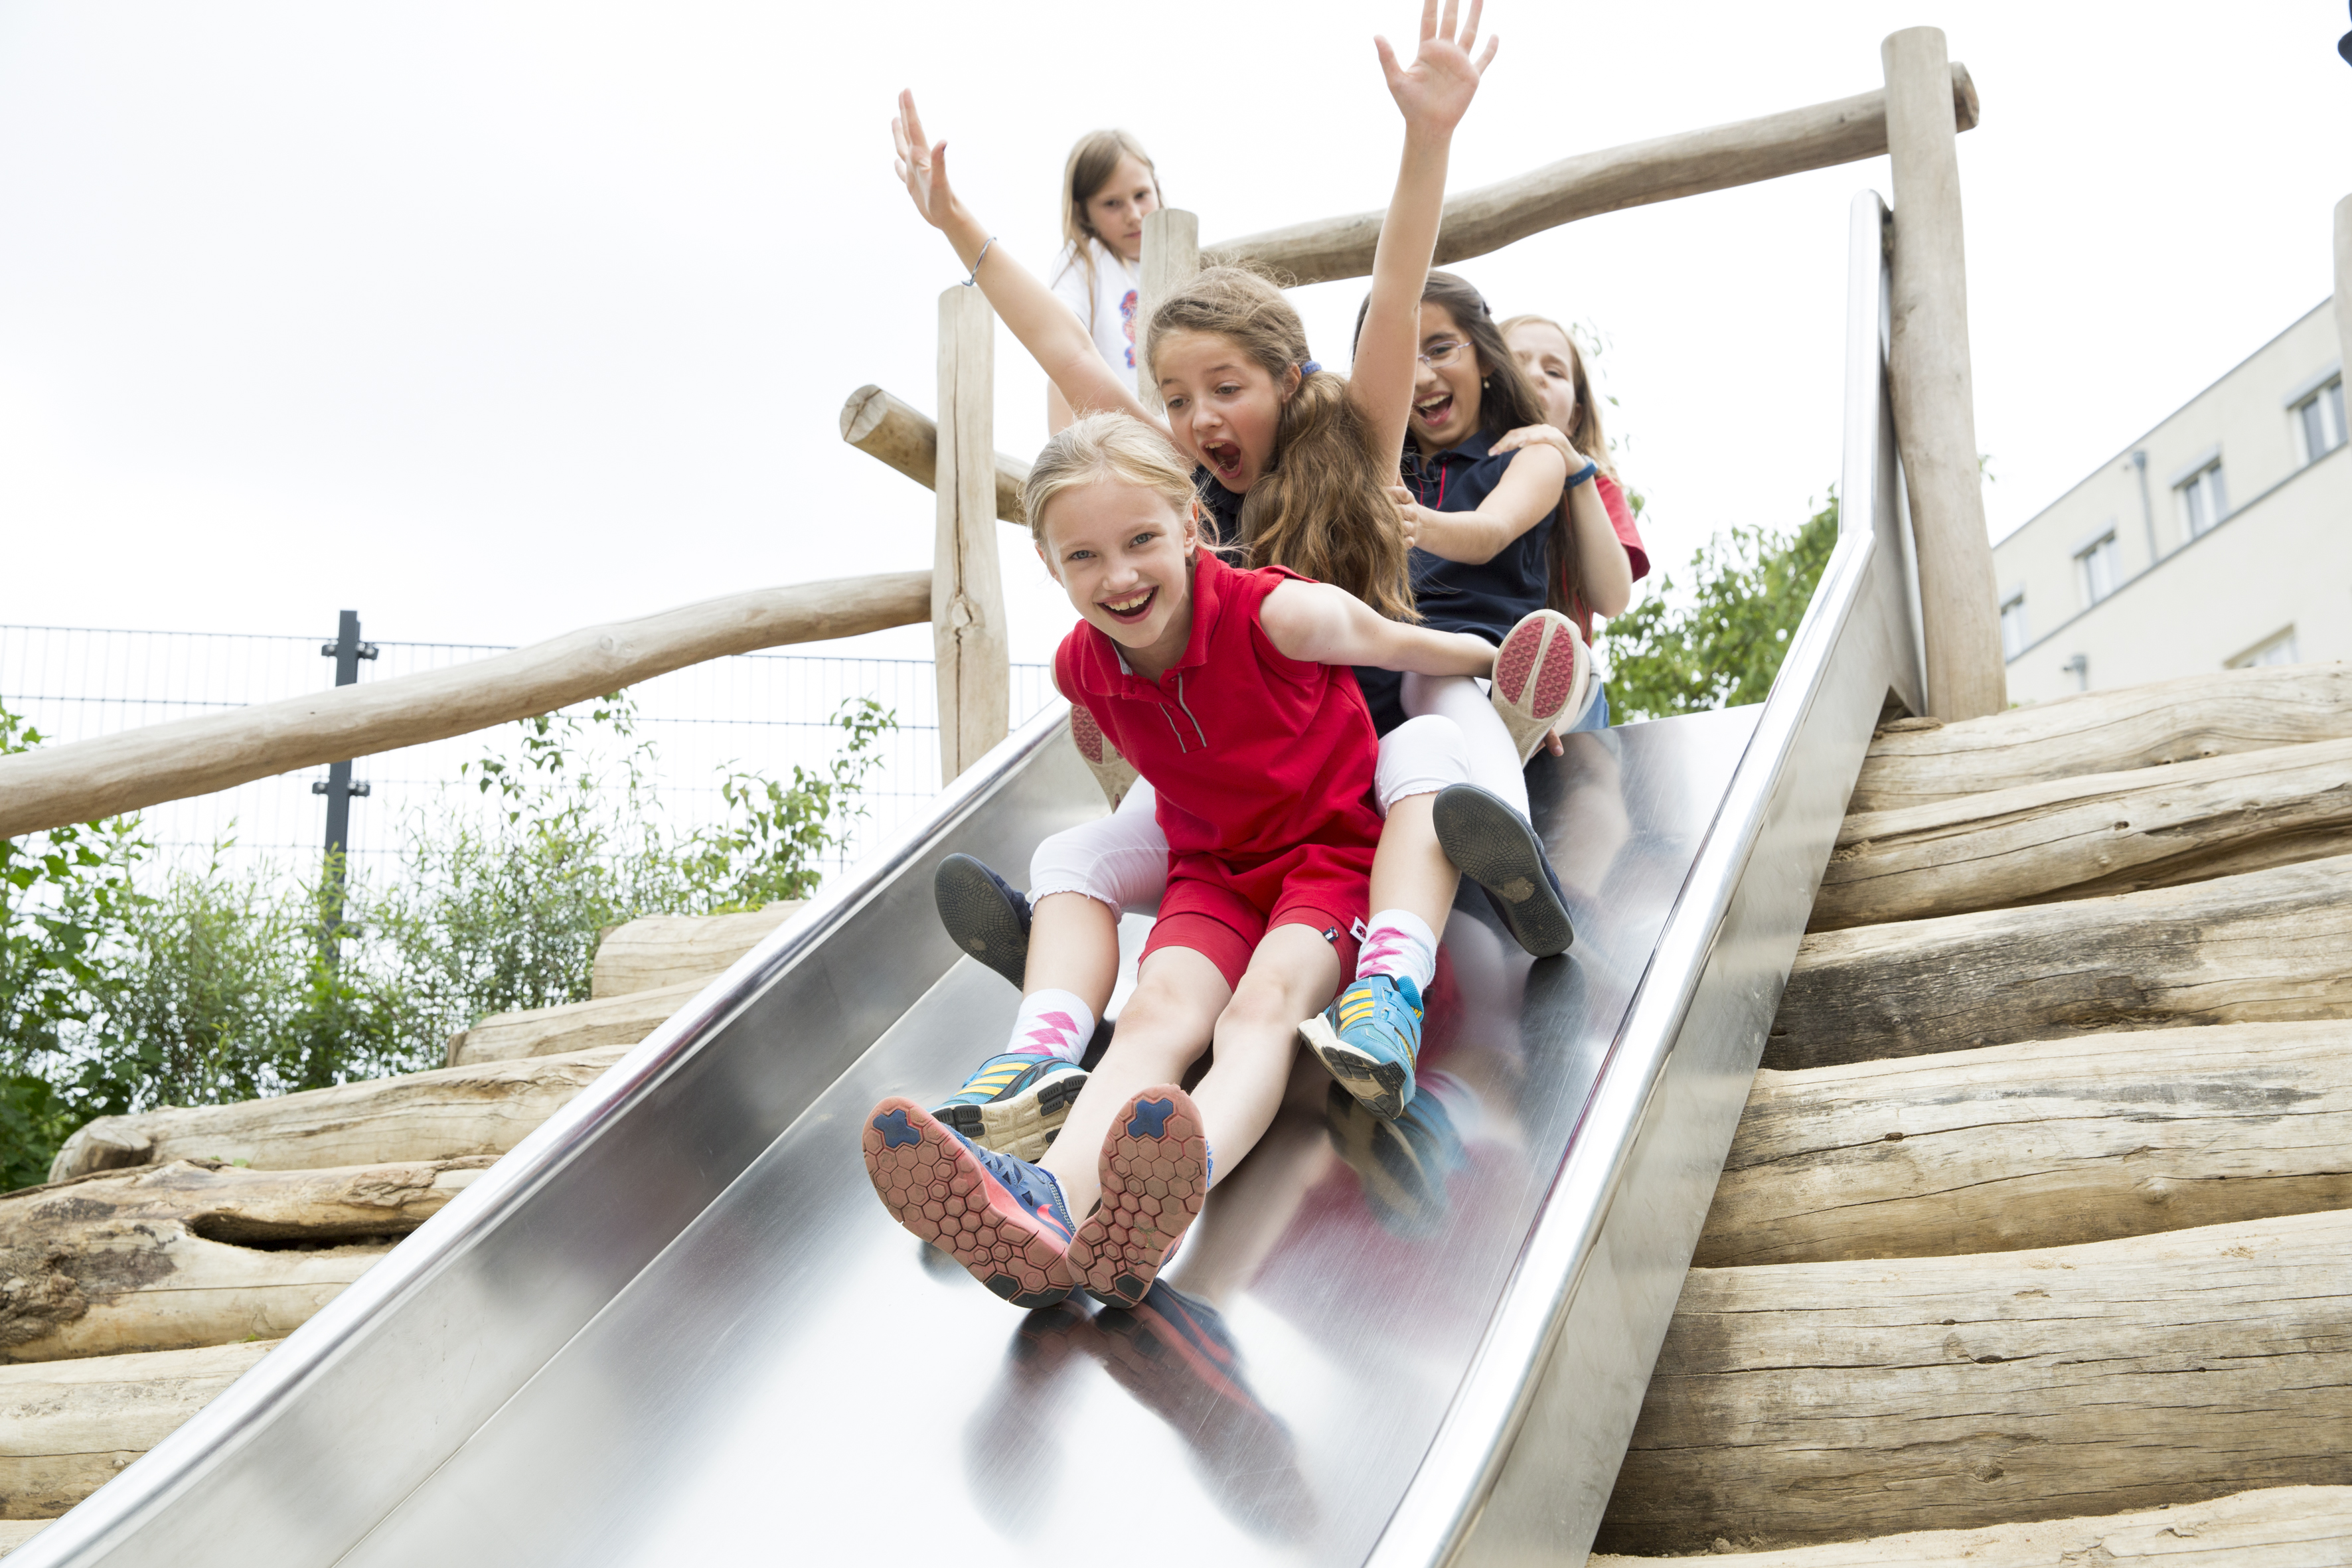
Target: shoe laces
1032 1185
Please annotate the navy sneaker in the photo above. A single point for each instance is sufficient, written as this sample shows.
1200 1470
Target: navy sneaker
1004 1219
1368 1039
1015 1103
985 915
1155 1142
1497 848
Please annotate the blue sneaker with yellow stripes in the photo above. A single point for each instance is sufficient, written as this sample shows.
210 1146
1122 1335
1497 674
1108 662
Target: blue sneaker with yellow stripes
1015 1103
1369 1038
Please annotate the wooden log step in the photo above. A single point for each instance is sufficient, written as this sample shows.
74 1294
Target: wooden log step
67 1426
198 1253
484 1109
2078 838
648 953
2277 1527
2267 946
2045 1144
572 1026
1809 1402
1917 761
14 1532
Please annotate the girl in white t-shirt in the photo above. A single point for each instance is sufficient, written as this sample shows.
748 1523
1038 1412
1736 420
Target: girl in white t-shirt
1107 187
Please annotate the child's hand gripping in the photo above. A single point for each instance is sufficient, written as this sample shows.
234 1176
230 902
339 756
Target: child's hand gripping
1435 91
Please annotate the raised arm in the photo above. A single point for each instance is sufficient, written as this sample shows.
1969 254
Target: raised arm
1318 623
1432 94
1047 327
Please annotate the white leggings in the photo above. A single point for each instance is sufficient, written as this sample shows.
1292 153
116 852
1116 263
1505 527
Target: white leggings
1454 736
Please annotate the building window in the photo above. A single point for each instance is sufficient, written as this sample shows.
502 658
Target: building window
2203 501
2013 626
2276 649
2319 421
2099 568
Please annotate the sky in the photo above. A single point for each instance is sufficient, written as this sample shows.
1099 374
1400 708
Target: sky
494 320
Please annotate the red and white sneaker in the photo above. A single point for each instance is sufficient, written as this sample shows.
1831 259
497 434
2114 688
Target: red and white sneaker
1543 678
1111 770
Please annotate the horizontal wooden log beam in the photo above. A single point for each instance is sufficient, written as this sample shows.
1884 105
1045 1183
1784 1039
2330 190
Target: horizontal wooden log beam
2267 946
571 1026
2043 1143
657 950
1918 762
68 1427
1686 164
2102 833
1819 1402
198 1253
907 440
2275 1527
82 779
446 1114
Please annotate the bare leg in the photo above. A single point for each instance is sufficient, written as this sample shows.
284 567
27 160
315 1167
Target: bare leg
1409 870
1165 1024
1074 947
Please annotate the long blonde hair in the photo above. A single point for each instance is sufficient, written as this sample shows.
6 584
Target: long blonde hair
1322 506
1088 169
1114 447
1586 437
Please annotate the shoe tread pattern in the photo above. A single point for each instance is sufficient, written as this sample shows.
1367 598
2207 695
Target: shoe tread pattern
933 1186
1489 844
1152 1187
1379 1086
978 920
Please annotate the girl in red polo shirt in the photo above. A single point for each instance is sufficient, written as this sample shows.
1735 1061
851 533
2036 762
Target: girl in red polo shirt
1227 689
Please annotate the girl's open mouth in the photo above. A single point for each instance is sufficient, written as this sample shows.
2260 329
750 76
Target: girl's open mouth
1437 411
1224 459
1132 609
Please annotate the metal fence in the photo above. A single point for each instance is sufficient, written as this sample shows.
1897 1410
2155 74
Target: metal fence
755 713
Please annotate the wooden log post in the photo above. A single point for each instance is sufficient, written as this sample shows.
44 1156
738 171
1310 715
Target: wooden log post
1818 1402
197 1252
1171 254
84 780
2042 1143
485 1109
967 639
2264 947
904 436
1933 390
68 1427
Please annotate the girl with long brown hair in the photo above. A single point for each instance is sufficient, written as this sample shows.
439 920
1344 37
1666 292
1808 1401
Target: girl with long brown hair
1109 185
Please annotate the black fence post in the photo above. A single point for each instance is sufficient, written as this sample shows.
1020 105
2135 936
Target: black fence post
346 650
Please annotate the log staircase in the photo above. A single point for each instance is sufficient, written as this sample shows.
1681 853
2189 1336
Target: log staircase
2030 1248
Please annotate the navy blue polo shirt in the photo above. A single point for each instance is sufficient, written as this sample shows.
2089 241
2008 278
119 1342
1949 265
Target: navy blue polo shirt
1488 598
1224 507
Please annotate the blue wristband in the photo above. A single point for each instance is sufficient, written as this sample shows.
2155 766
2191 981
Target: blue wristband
1589 468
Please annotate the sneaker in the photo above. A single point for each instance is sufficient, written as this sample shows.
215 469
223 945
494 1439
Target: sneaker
985 915
1403 1163
1174 1354
1497 848
1015 1103
1369 1038
1543 678
1001 1218
1102 758
1155 1171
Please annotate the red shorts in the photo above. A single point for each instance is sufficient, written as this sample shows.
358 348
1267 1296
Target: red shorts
1223 913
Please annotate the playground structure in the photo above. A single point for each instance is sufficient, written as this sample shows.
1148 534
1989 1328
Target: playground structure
651 1331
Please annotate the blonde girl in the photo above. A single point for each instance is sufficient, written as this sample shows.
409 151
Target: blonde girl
1109 186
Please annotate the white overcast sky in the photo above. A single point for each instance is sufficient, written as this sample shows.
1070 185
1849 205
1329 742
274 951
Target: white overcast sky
491 321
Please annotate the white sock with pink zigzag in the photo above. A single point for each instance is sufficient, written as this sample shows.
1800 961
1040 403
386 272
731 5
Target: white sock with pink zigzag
1400 943
1052 1024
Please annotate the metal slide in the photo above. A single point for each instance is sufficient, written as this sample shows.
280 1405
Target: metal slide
676 1326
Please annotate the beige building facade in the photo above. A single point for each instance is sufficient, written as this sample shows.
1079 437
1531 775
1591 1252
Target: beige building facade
2221 538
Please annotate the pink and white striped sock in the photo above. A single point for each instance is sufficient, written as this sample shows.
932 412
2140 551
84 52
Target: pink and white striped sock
1052 1024
1400 945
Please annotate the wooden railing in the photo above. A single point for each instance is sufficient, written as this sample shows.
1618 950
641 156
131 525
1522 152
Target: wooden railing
1926 102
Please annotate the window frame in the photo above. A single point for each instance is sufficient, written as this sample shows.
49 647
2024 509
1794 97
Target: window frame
2322 404
2101 546
2013 645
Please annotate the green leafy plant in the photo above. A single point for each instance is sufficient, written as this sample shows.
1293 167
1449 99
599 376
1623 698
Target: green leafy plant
1720 643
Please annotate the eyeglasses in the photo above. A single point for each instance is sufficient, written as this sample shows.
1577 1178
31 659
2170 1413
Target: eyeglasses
1441 351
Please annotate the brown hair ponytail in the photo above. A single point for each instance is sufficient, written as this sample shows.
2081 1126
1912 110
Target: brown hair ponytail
1322 507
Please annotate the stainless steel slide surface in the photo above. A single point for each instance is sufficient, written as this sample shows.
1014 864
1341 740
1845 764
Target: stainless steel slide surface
677 1327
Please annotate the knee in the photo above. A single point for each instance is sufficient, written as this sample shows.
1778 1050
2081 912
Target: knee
1264 1007
1420 756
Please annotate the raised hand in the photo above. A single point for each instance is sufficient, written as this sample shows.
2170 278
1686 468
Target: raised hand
924 167
1435 90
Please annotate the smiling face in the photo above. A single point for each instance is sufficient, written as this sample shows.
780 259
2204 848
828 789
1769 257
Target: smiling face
1223 409
1125 557
1550 364
1117 209
1446 388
